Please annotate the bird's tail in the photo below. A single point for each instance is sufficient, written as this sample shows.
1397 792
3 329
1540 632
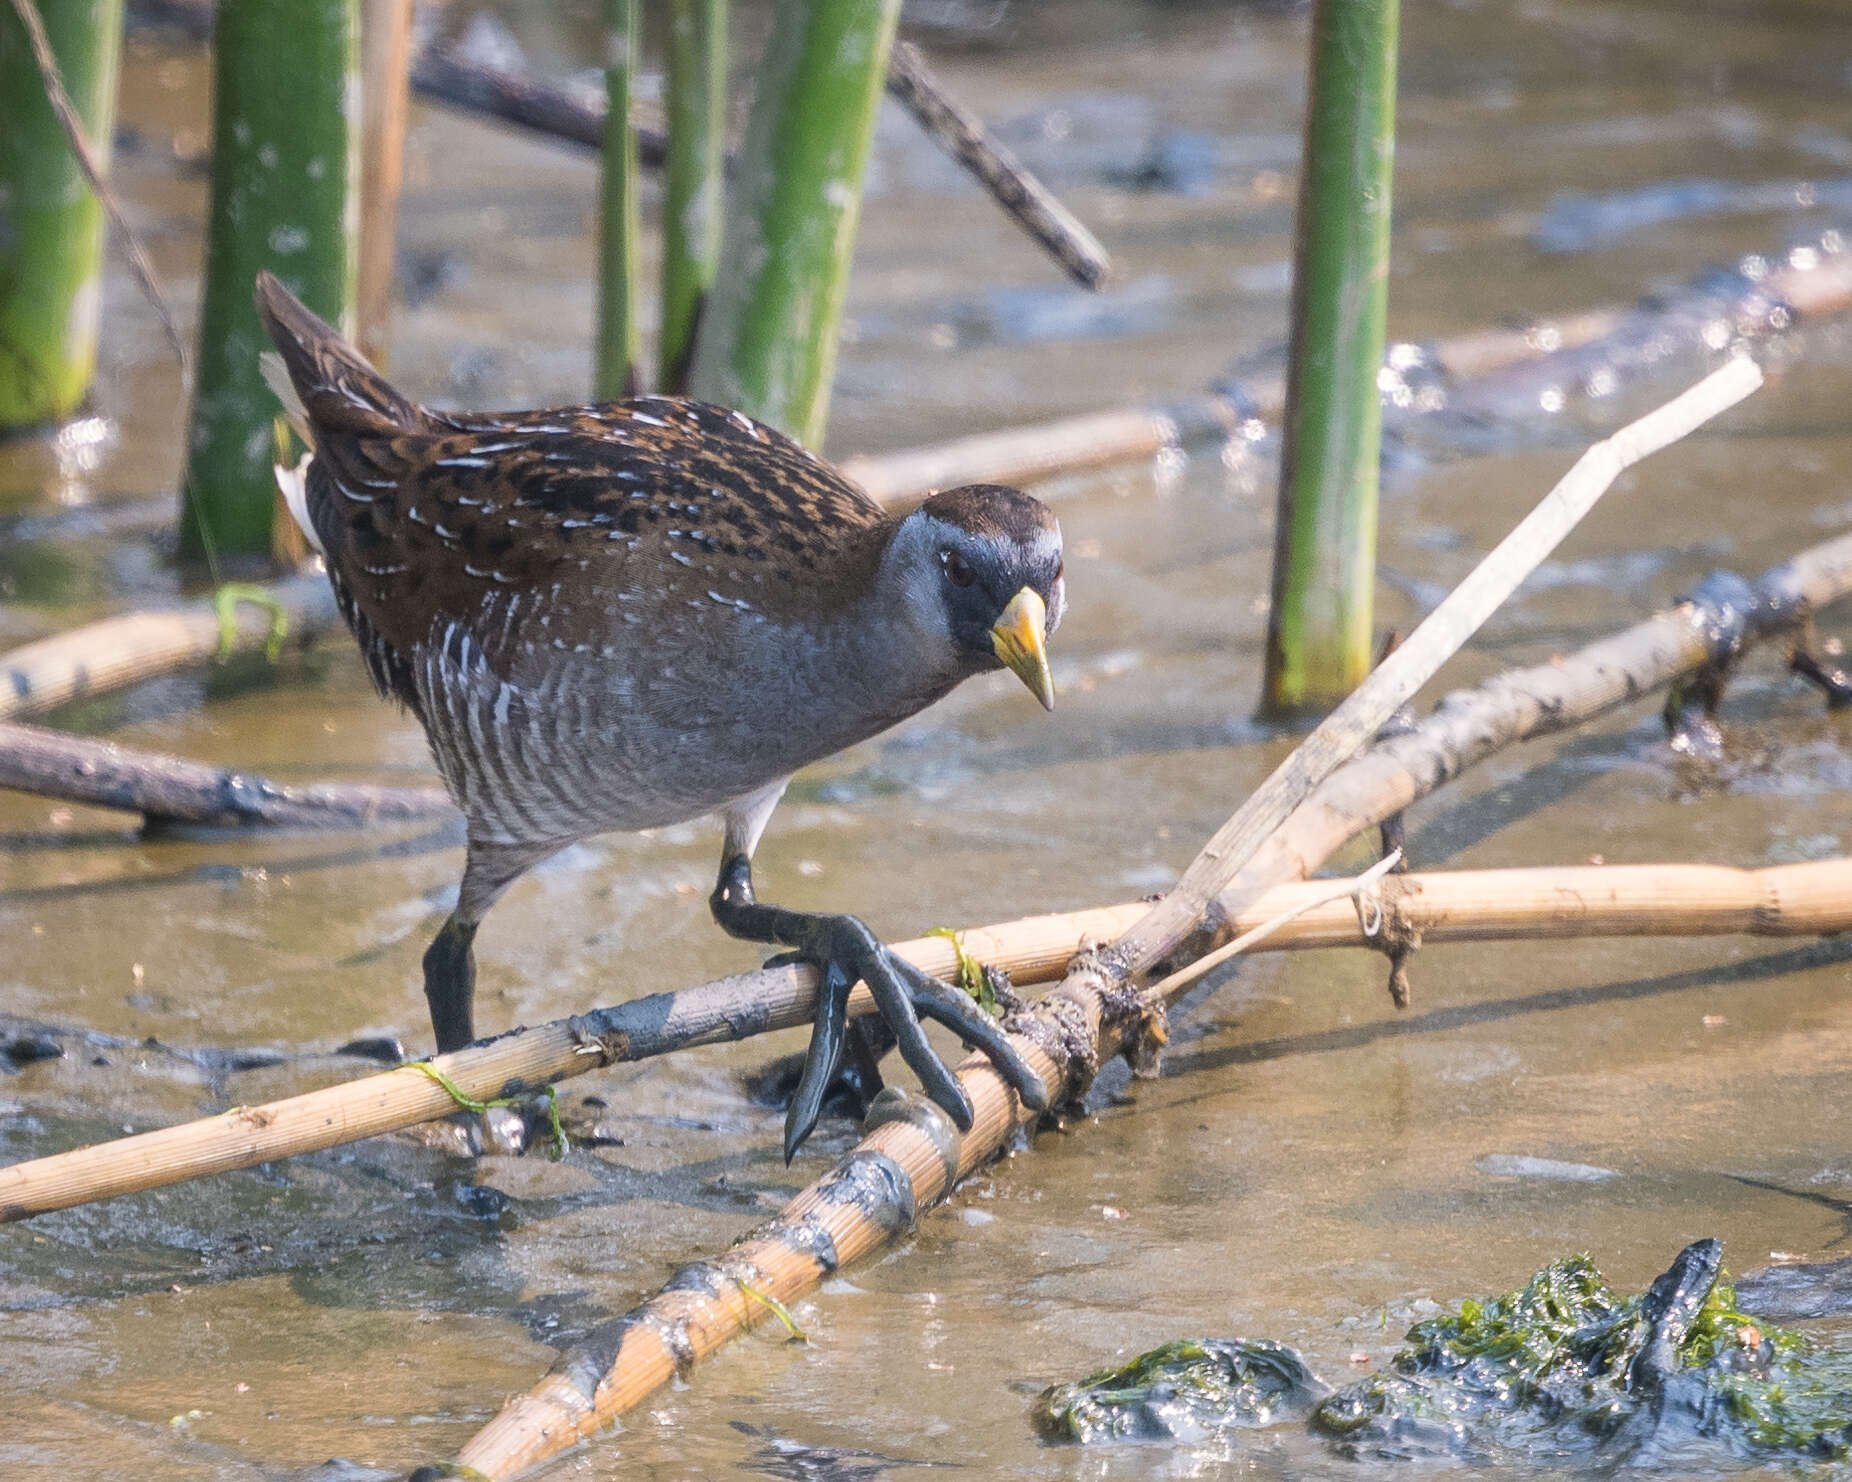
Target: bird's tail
324 383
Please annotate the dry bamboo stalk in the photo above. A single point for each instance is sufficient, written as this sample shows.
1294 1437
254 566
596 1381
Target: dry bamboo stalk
1024 455
1813 899
1487 352
1394 682
731 1008
104 775
871 1195
1469 725
1810 899
1817 286
903 1165
114 652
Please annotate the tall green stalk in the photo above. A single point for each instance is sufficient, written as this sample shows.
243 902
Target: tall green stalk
767 341
620 341
51 225
285 196
694 180
1324 570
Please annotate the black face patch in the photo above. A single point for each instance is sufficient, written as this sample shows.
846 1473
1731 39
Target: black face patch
995 542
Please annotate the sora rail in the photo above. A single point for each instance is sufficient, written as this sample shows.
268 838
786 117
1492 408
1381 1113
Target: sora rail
627 615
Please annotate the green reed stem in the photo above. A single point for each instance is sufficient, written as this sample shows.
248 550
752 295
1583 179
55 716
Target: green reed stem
694 183
285 196
51 225
619 370
1324 572
767 339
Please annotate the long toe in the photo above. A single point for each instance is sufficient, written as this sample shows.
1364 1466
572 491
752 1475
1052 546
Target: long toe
894 995
822 1058
959 1013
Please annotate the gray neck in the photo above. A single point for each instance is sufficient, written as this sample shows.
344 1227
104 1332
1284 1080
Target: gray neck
895 640
888 654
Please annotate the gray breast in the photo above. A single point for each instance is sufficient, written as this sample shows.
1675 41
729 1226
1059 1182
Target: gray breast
595 739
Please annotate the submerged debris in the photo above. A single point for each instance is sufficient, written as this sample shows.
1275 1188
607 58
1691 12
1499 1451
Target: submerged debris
1563 1369
1185 1391
1799 1290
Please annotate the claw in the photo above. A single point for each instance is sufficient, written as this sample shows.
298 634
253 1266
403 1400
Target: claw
893 993
960 1014
904 994
845 951
821 1059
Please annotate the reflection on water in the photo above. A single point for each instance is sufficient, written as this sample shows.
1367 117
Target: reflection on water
1312 1160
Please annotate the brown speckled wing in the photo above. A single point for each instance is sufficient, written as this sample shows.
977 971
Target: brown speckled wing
543 529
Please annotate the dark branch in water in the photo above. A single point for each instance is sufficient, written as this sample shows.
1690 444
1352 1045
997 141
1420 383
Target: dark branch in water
169 789
444 75
962 135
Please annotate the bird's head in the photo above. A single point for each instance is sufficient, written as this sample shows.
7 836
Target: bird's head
981 568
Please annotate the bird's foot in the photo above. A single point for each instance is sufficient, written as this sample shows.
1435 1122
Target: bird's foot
844 951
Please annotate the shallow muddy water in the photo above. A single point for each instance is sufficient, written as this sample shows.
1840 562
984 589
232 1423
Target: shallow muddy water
1313 1167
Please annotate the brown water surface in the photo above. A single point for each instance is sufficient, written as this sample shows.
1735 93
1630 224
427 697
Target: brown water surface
1314 1166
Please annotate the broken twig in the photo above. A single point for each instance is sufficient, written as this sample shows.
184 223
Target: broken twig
962 135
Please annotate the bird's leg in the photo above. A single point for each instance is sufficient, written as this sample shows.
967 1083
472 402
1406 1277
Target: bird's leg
845 951
450 982
450 960
450 965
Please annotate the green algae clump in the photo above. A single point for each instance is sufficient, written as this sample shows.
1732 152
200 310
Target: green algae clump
1563 1371
1184 1391
1566 1368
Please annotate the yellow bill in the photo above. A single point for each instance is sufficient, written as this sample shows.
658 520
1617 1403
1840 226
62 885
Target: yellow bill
1017 638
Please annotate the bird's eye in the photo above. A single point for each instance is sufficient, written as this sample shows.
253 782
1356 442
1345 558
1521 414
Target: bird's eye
957 569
